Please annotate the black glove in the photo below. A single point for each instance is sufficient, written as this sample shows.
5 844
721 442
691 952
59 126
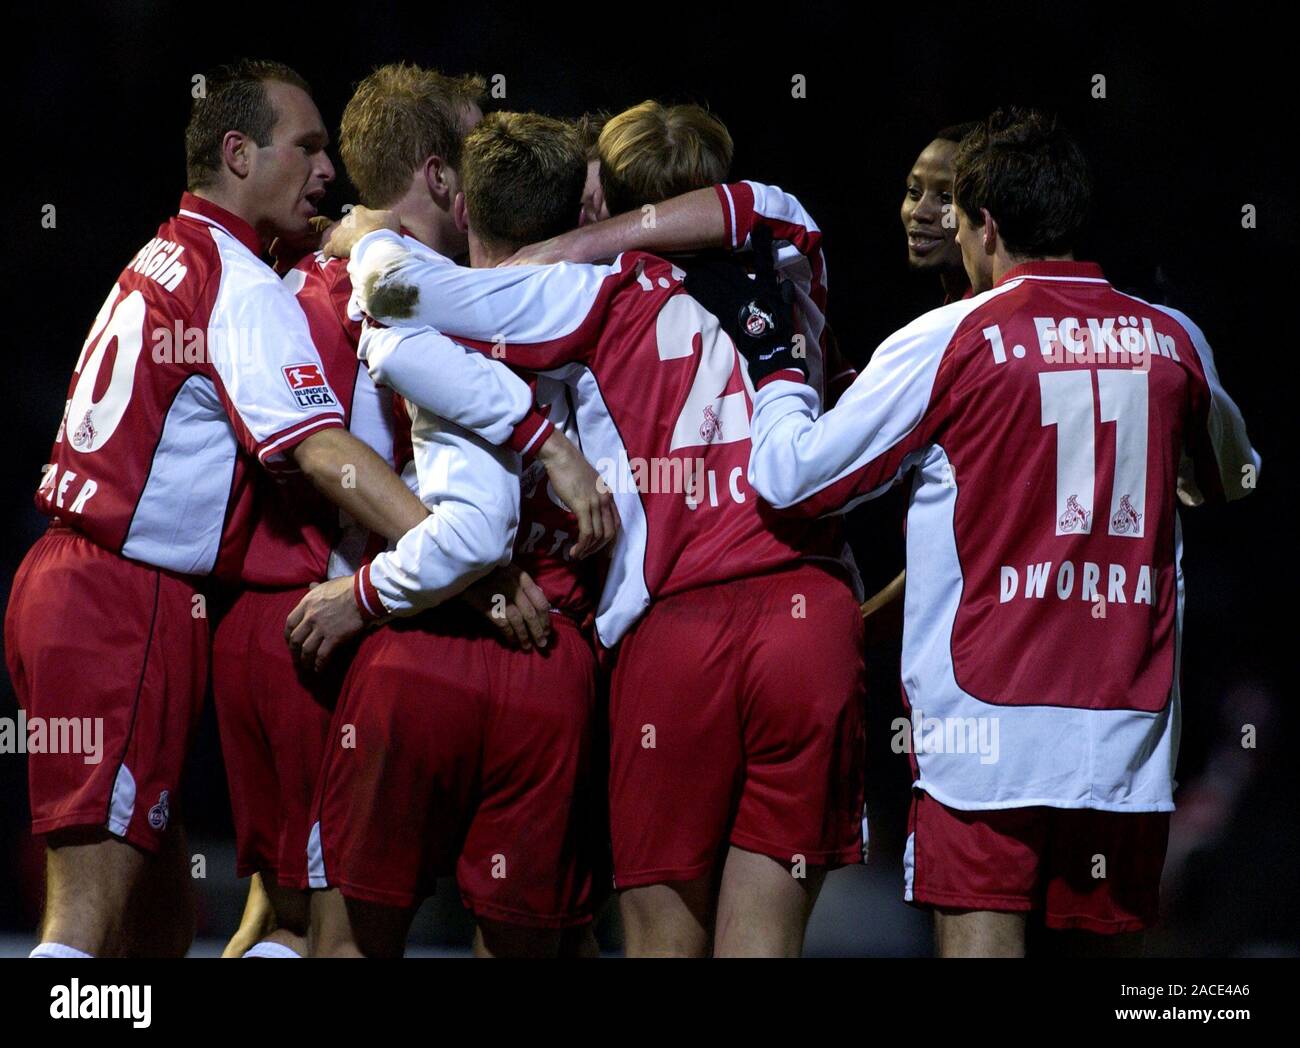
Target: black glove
758 314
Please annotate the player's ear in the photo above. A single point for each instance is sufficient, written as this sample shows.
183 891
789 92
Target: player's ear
236 153
437 179
990 233
460 213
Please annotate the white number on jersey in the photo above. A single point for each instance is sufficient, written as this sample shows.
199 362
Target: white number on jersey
708 416
94 421
1067 404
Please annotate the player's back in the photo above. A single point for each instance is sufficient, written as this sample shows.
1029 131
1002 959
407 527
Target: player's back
680 401
179 382
1052 484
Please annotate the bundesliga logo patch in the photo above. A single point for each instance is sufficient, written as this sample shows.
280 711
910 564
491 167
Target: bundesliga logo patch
308 385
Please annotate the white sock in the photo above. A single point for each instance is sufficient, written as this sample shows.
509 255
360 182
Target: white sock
271 949
57 949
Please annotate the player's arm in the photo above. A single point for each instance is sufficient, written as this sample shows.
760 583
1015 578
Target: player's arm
535 318
1219 463
482 395
719 217
350 474
473 494
809 464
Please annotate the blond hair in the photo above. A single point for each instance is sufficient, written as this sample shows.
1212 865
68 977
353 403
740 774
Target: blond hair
652 152
397 118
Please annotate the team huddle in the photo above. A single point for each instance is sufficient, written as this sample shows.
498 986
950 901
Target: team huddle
503 519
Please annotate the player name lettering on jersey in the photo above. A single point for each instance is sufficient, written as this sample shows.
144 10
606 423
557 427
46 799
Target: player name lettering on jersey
160 260
58 486
1122 340
1036 586
672 475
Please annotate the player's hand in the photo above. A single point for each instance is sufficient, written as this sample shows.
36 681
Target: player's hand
356 224
758 314
325 618
583 490
514 604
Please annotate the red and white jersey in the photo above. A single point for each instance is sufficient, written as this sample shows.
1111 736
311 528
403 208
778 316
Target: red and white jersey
198 363
301 536
1046 420
661 397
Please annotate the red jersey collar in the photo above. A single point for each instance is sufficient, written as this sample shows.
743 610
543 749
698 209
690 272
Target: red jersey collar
1056 270
227 220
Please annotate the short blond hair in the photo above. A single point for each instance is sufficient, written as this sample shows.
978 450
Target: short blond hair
397 118
523 175
652 152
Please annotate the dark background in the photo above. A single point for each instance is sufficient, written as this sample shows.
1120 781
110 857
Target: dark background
1196 123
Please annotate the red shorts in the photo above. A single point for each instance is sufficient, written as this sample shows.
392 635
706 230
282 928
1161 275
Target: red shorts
452 752
275 722
736 717
1093 870
110 650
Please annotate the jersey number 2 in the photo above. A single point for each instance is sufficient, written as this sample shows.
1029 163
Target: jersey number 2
709 416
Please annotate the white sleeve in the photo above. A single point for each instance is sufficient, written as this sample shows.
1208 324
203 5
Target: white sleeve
1222 447
812 465
471 489
402 283
440 376
267 368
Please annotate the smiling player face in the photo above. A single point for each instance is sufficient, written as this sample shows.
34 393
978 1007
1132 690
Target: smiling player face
931 238
290 175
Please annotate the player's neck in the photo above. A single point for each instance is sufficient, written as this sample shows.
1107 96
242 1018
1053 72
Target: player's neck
1004 263
229 200
485 256
431 226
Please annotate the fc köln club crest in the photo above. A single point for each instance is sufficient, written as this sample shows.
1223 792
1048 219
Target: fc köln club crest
1126 520
85 434
1075 517
711 427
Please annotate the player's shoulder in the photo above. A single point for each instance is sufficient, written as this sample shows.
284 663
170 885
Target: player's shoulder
947 327
317 273
173 269
1190 329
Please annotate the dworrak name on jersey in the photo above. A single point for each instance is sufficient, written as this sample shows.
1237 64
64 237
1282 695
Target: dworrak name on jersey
1036 577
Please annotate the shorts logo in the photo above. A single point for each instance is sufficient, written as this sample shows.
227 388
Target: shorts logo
308 386
160 812
85 434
